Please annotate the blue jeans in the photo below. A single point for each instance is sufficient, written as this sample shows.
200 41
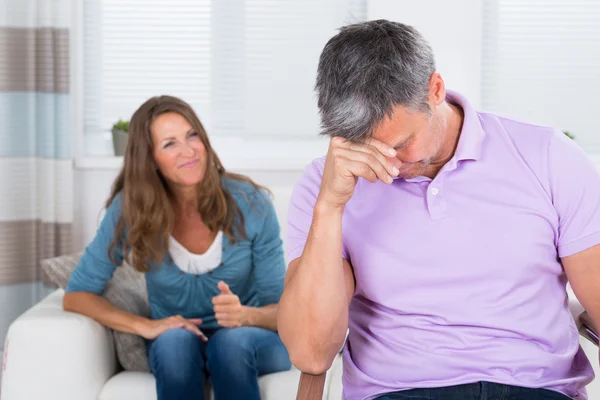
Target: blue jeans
476 391
233 358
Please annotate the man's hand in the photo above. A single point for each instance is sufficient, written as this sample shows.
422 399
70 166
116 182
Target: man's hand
346 162
229 312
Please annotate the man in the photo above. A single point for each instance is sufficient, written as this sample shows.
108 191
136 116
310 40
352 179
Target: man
440 238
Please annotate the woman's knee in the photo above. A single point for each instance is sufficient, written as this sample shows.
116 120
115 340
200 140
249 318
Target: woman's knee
231 344
251 349
176 351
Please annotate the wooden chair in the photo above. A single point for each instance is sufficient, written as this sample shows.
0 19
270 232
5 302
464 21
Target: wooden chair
586 322
311 386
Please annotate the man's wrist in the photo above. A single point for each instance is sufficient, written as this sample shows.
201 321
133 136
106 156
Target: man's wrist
325 208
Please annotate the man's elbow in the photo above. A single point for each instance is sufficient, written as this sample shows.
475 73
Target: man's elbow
310 362
308 355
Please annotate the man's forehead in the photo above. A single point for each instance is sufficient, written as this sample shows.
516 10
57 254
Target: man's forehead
395 129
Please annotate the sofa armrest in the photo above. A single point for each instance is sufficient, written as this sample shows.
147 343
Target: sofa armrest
52 354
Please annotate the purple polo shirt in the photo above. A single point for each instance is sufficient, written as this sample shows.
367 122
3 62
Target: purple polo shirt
458 279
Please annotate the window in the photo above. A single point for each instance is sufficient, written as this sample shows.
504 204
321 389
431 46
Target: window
247 67
541 61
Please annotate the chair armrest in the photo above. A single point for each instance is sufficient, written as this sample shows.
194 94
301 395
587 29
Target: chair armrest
327 386
52 354
311 386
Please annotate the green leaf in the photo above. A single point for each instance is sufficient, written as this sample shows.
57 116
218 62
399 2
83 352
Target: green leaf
121 125
569 135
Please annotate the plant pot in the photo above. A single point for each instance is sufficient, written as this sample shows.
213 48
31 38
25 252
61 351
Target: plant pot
119 141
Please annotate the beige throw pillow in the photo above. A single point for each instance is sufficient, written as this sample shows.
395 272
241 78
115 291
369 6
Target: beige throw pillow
126 290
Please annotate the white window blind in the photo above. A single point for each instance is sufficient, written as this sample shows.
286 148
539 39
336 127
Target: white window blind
134 50
541 63
248 67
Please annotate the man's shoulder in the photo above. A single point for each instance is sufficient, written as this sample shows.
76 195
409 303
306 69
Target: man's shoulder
313 172
317 165
515 128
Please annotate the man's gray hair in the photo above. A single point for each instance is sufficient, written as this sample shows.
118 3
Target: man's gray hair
365 71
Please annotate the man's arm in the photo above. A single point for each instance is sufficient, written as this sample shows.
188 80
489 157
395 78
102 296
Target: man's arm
583 272
313 316
319 284
574 187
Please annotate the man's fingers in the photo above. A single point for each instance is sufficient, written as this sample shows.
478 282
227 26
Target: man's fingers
384 169
382 147
390 163
363 170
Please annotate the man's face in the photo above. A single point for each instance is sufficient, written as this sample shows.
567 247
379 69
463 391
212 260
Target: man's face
417 138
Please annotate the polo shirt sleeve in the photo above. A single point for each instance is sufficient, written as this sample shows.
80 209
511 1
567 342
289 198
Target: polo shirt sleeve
95 269
575 191
300 212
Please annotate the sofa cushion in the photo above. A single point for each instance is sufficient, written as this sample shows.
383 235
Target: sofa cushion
129 385
278 386
126 291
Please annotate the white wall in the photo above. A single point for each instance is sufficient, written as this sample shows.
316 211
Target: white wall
454 31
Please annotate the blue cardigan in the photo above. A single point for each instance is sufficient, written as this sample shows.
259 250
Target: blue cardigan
253 268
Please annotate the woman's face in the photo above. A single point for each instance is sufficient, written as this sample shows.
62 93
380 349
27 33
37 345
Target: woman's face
179 152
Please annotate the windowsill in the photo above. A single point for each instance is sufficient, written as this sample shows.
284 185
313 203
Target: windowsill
238 154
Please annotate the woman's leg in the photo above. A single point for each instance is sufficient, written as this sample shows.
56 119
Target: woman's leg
236 357
177 362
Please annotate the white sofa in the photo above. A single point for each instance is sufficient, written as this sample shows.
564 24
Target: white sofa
51 354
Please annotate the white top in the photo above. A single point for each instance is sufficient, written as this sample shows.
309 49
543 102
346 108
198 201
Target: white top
197 263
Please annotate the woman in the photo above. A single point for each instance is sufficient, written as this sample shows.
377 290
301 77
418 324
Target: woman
208 241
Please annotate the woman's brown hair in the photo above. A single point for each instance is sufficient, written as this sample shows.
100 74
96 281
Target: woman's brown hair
147 217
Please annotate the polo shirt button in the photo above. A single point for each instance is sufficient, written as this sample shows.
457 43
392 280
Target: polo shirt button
434 191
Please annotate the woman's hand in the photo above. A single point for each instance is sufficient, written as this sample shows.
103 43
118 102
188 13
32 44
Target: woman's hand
229 312
151 329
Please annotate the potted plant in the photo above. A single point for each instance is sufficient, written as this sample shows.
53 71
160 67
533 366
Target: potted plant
569 134
119 135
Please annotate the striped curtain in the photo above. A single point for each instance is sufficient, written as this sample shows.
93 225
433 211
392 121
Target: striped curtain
36 178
